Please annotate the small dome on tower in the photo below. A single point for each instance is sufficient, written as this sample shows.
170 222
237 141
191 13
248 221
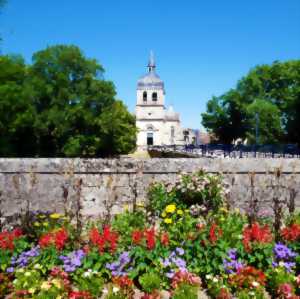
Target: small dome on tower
150 80
171 114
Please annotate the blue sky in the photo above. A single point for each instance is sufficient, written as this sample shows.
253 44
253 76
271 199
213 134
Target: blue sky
202 47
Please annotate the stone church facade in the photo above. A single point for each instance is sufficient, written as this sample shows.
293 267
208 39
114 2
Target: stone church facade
156 124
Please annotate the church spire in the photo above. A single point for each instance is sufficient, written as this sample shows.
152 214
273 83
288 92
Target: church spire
151 64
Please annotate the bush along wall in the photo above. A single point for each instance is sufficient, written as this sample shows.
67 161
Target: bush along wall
184 243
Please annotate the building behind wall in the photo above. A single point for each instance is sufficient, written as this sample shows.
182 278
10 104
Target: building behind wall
157 125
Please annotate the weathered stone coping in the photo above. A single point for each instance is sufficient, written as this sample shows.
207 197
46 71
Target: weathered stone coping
147 166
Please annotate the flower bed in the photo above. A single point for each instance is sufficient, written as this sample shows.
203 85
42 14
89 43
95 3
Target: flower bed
183 241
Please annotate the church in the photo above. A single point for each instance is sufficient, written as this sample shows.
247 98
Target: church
158 125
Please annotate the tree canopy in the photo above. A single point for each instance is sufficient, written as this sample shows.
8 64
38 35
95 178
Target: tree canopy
60 105
270 91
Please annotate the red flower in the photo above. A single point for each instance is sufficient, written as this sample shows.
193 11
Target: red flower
185 277
86 249
80 295
109 239
164 239
17 232
137 236
285 290
214 233
224 294
256 233
150 238
56 238
248 277
106 233
113 239
291 233
45 240
7 239
60 238
122 281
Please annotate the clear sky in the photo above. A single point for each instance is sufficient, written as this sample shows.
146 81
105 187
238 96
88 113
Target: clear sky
202 47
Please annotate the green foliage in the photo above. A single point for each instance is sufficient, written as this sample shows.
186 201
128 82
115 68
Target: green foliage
278 276
127 222
150 282
272 91
184 291
61 106
204 190
89 281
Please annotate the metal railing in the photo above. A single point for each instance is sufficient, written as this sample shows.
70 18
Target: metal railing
233 151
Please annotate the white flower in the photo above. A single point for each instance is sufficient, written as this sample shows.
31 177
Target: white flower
27 274
37 266
115 289
215 279
255 284
281 264
105 291
208 276
87 274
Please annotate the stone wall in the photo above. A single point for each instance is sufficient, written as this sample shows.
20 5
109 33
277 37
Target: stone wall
102 186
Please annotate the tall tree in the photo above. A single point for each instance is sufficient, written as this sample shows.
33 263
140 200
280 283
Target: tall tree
272 91
68 99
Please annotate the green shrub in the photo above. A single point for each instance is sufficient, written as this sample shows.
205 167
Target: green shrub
185 291
150 282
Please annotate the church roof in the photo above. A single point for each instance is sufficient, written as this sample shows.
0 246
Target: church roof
151 80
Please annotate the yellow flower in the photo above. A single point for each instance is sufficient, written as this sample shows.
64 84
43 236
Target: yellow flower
42 216
170 208
57 283
163 214
55 215
140 205
45 285
223 209
36 224
126 207
179 212
168 220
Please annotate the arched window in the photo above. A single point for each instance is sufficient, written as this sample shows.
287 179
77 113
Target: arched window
145 96
154 96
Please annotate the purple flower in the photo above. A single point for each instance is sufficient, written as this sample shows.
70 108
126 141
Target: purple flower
180 251
117 268
166 262
24 258
230 263
174 262
232 254
10 270
170 274
72 260
284 256
282 252
180 263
